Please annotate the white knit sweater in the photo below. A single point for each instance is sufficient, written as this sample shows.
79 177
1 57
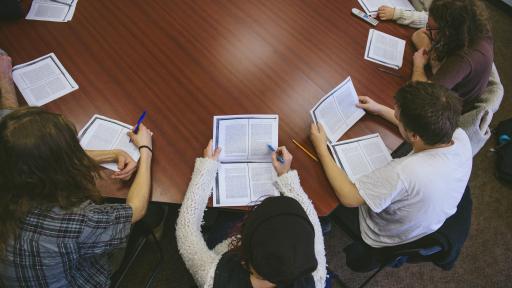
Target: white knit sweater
202 261
415 19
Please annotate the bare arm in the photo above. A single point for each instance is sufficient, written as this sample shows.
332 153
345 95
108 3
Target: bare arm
125 163
7 92
345 190
138 195
420 59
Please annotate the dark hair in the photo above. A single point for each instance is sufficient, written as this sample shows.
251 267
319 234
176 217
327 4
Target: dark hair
461 24
429 110
42 166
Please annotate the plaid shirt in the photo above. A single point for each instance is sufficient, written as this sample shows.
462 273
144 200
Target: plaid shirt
60 248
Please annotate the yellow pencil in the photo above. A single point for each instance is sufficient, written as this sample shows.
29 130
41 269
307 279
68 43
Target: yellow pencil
305 150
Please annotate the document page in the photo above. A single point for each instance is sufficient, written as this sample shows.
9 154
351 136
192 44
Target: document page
43 80
360 156
262 177
52 10
372 6
244 184
337 111
245 138
232 186
102 133
384 49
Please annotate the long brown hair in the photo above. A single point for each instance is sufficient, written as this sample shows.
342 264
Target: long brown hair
461 24
42 165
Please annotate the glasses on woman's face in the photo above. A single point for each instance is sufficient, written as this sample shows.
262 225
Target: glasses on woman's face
430 29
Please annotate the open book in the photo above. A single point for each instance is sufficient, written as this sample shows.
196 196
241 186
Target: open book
52 10
372 6
43 80
246 174
384 49
337 111
360 156
102 133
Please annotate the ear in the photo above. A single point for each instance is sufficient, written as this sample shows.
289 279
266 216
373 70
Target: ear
414 137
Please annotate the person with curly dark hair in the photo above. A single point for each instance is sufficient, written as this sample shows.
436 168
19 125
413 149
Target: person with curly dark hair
54 230
458 46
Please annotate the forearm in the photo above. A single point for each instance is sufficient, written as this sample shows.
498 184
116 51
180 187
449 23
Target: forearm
415 19
8 94
101 156
418 74
138 195
345 190
388 114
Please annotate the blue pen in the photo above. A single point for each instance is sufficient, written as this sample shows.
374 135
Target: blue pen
279 158
136 129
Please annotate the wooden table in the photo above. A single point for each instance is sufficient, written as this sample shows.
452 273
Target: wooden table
186 61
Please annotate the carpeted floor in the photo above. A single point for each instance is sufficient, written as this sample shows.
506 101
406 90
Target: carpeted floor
486 259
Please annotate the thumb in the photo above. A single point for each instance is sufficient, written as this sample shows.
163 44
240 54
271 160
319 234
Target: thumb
121 163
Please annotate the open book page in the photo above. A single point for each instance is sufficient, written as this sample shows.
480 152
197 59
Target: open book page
102 133
52 10
243 184
232 187
262 177
360 156
43 80
384 49
244 138
337 111
372 6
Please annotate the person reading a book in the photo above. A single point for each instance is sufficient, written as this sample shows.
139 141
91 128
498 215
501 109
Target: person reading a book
412 196
55 231
415 19
280 243
456 47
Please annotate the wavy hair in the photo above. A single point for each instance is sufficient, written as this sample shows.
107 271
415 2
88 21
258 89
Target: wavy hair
42 165
461 24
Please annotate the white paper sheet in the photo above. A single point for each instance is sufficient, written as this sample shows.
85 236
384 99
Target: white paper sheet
52 10
43 80
360 156
244 184
384 49
103 133
337 111
371 6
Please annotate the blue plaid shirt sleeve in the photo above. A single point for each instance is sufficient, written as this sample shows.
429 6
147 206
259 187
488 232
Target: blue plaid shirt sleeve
106 227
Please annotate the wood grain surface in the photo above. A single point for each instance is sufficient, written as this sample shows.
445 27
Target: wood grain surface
186 61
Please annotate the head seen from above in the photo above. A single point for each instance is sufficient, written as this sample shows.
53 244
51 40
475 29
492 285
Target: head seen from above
277 243
42 166
427 112
455 25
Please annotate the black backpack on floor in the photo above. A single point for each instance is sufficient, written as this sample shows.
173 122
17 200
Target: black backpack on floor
503 133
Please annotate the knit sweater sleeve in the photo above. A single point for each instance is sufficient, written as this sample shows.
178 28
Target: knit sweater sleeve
200 260
289 185
415 19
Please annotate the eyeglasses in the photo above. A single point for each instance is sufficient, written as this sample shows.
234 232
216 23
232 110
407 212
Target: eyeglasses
430 29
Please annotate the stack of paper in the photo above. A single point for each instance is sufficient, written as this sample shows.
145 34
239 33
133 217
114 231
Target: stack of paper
371 6
52 10
43 80
102 133
384 49
246 174
337 111
360 156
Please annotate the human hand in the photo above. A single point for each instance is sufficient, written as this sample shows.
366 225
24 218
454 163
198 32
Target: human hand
210 154
282 168
5 68
386 12
125 164
318 137
370 105
420 58
143 137
421 39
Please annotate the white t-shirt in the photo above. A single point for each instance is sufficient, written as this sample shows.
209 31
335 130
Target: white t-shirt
412 196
